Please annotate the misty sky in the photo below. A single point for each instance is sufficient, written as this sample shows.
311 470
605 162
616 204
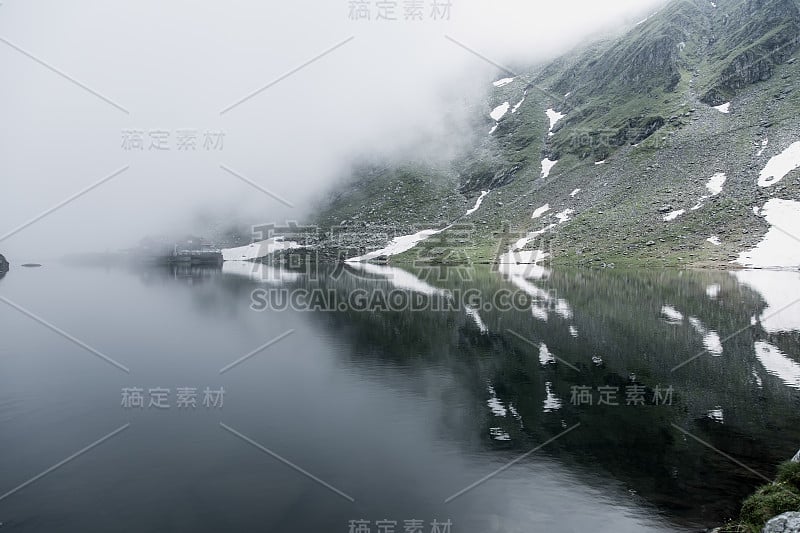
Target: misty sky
175 66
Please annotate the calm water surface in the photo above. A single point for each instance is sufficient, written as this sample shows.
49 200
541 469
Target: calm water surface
392 414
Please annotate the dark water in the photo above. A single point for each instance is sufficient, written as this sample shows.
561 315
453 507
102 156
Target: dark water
390 413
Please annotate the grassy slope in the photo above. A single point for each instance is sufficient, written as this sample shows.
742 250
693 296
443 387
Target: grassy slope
617 88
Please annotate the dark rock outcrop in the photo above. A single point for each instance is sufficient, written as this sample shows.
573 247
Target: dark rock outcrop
3 265
759 35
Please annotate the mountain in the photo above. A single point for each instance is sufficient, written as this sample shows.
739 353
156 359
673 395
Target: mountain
675 143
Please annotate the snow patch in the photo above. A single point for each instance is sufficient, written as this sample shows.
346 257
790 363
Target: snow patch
714 240
502 82
573 193
673 215
514 253
516 106
716 182
714 187
573 331
723 108
554 117
477 202
600 162
547 166
779 248
397 246
258 249
763 147
530 257
716 415
564 215
780 165
494 128
499 111
651 15
540 211
515 256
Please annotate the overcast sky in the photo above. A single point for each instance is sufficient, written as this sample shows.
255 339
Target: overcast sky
167 67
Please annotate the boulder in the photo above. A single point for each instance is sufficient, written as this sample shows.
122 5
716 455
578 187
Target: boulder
3 265
785 523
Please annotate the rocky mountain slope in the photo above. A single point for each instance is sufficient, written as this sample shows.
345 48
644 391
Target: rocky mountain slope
672 144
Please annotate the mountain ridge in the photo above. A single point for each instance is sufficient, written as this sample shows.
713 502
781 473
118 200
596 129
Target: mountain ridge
639 137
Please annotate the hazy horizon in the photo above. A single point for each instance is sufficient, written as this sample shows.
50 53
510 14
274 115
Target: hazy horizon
160 70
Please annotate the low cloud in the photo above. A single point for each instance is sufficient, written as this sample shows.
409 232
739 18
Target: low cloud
85 79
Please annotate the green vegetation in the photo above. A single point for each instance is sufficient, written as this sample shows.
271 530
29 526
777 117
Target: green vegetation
402 196
789 473
769 501
640 103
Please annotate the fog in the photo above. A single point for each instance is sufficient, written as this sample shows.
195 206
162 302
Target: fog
79 74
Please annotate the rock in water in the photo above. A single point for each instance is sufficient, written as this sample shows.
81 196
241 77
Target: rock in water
3 265
785 523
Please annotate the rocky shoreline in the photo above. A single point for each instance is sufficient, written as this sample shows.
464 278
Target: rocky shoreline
774 507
